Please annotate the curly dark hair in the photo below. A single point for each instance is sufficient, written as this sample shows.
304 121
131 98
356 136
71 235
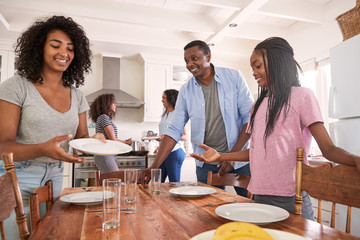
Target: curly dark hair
282 74
171 97
101 105
30 50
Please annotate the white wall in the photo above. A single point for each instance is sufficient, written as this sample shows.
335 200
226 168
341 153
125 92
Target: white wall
308 43
315 42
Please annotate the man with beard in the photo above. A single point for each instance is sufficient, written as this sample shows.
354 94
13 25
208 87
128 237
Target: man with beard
218 102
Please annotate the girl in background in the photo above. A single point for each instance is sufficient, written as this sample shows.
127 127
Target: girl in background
171 167
284 117
102 111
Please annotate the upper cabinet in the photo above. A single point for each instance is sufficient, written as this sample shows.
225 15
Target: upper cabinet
7 66
180 76
157 78
159 72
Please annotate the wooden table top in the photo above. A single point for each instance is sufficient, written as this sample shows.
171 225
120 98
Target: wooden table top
161 216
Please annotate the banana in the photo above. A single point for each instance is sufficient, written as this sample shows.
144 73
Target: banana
241 231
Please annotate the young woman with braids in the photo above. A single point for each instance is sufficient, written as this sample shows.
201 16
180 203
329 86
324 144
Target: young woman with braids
102 110
284 117
41 108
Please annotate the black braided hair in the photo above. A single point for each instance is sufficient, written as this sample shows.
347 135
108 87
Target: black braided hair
282 73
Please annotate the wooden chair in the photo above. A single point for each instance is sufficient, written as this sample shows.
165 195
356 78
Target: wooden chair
229 179
336 184
11 199
40 195
99 177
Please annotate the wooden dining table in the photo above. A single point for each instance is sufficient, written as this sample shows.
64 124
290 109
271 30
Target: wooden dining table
163 216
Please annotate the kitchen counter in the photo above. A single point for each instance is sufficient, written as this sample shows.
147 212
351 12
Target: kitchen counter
316 161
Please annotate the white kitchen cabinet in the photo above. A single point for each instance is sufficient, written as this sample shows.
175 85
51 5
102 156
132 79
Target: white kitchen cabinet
340 216
7 66
67 181
157 78
325 211
177 83
188 169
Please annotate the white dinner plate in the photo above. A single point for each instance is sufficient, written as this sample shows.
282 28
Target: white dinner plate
255 213
97 147
276 234
85 198
192 191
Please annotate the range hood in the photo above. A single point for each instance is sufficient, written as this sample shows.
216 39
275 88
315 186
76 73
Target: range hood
111 84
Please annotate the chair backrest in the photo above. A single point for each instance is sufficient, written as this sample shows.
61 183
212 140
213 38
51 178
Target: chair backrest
40 195
229 179
99 177
11 199
336 184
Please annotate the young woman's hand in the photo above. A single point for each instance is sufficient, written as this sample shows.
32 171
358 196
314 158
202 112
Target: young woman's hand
53 150
225 167
160 138
99 136
128 141
211 155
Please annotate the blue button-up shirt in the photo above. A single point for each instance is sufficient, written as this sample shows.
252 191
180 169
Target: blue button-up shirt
235 103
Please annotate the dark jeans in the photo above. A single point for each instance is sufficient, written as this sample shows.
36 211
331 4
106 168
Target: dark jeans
288 203
171 167
201 173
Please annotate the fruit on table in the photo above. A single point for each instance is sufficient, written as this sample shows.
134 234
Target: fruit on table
241 231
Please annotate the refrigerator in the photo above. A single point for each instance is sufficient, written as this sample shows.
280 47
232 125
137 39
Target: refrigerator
344 109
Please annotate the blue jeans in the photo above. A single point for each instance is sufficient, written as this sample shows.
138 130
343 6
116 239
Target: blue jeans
32 175
171 167
288 203
201 173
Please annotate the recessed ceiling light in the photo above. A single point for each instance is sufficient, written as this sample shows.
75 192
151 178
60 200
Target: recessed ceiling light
233 25
211 44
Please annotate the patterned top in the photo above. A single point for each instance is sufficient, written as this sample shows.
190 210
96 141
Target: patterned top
101 122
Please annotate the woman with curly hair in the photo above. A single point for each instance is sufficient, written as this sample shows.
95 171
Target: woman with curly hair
102 111
40 109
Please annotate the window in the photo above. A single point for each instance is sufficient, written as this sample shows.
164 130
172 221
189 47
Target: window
318 79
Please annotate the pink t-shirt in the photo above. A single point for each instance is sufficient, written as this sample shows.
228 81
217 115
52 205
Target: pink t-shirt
273 168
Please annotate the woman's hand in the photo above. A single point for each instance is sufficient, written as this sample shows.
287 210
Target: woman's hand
128 141
160 138
99 136
53 150
211 155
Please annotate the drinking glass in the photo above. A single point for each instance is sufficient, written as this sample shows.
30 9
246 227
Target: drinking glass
131 178
155 181
111 203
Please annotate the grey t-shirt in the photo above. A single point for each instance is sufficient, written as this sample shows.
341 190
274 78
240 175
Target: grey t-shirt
38 121
215 133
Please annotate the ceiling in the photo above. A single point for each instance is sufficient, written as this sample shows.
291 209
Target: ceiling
127 27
